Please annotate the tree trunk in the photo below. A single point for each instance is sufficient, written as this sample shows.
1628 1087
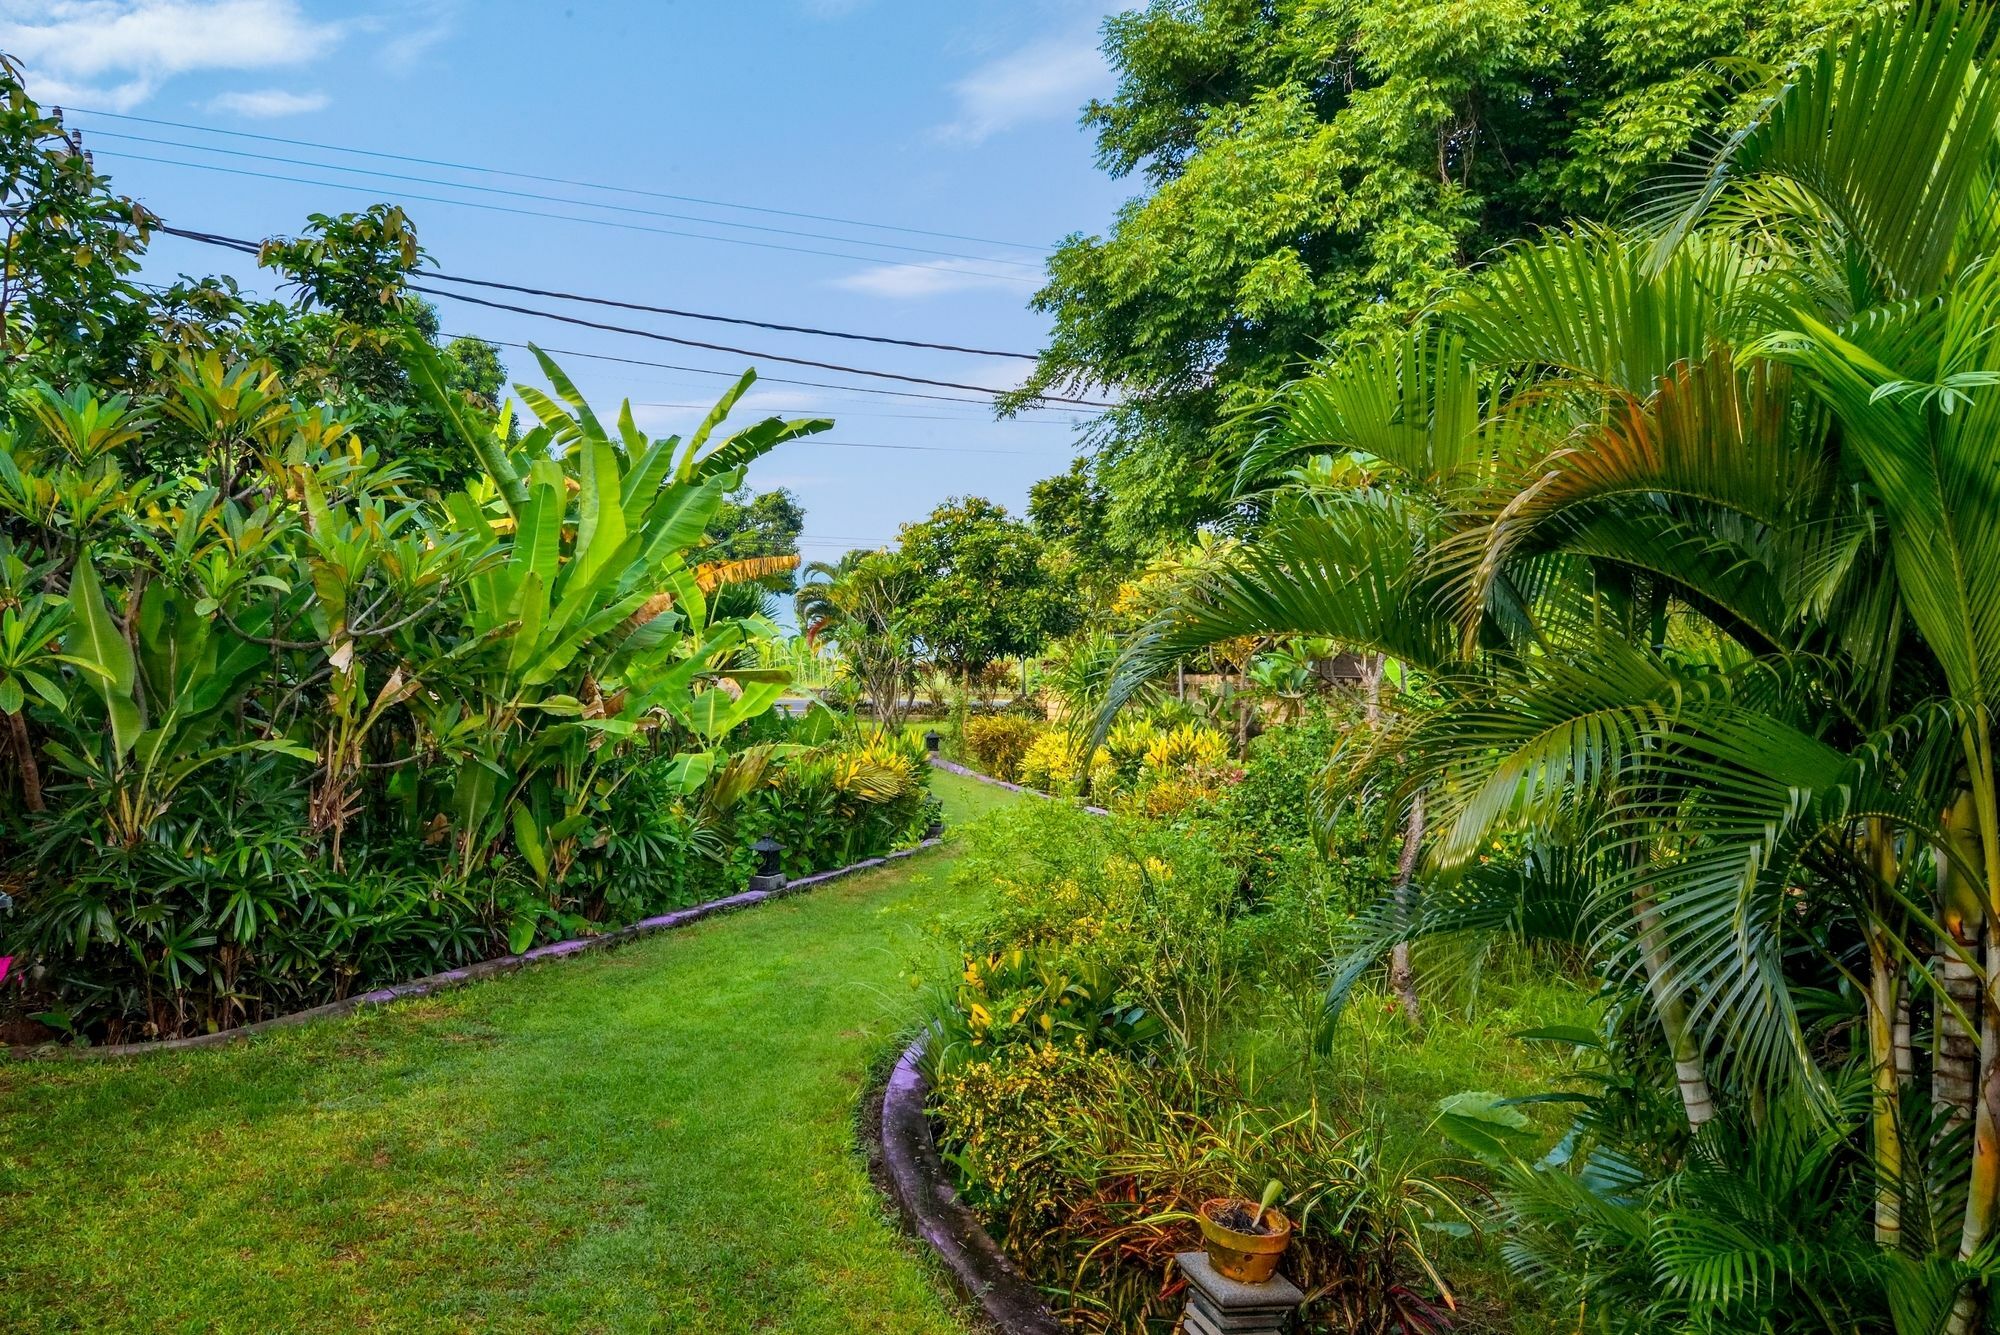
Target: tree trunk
1671 1007
1982 1193
1887 1058
1402 979
1882 1059
1955 1060
24 758
1372 666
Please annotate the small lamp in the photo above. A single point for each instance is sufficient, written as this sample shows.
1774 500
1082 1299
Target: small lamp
932 741
770 871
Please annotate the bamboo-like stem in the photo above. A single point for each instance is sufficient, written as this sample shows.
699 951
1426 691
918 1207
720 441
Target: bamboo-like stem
1671 1009
1402 978
1955 1059
1983 1188
1885 1005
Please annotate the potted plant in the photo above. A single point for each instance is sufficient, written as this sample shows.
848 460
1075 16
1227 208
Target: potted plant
1245 1238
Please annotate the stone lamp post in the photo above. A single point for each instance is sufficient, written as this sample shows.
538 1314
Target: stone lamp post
932 741
1217 1305
770 871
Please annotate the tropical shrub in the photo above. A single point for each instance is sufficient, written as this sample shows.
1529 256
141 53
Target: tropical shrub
1057 761
997 742
834 805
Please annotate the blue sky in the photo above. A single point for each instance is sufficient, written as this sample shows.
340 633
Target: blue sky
947 117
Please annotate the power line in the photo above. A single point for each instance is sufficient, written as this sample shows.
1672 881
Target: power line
560 180
565 217
740 352
555 199
252 248
733 319
732 375
816 443
845 412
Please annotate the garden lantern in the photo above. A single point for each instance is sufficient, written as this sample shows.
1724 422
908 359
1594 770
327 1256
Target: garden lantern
932 741
770 871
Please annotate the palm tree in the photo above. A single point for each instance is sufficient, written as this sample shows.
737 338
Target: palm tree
856 602
1696 531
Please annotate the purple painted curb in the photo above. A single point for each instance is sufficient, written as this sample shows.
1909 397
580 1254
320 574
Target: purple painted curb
923 1190
470 973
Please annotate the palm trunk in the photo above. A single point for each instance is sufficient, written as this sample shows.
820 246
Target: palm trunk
24 758
1402 979
1886 1056
1372 666
1697 1100
1955 1059
1883 1007
1982 1195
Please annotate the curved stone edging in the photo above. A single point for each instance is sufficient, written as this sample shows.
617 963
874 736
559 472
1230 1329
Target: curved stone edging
470 973
953 767
923 1190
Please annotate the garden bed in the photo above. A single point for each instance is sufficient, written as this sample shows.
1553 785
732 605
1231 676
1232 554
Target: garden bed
471 973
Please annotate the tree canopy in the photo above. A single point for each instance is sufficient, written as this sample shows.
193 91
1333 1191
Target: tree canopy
1316 170
986 587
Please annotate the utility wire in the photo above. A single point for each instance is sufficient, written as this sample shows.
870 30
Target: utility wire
560 180
560 199
252 248
732 375
569 217
741 352
734 319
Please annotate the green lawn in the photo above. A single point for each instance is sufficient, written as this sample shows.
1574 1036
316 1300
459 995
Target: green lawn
967 799
658 1138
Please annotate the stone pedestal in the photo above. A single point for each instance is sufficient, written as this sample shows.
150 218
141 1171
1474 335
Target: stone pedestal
768 883
1220 1306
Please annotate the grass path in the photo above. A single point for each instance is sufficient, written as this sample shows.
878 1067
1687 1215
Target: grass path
660 1138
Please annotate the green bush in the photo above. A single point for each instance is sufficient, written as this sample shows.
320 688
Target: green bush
997 742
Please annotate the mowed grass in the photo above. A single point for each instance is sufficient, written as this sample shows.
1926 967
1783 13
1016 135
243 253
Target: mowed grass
968 799
658 1138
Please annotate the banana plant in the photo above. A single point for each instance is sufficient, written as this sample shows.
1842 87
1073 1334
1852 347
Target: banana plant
598 624
162 704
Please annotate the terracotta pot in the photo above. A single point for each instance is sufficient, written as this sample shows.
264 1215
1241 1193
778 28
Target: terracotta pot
1248 1258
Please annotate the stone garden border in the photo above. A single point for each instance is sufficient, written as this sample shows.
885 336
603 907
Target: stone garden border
921 1186
471 973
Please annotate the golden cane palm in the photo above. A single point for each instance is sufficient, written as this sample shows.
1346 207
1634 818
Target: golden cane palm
1711 577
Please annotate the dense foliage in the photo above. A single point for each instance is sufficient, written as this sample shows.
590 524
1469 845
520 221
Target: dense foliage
1681 539
318 670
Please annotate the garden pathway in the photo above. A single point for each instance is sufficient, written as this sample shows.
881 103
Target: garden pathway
657 1138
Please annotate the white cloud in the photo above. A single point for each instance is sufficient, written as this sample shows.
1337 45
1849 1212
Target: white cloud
932 278
415 33
117 53
1045 80
267 102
